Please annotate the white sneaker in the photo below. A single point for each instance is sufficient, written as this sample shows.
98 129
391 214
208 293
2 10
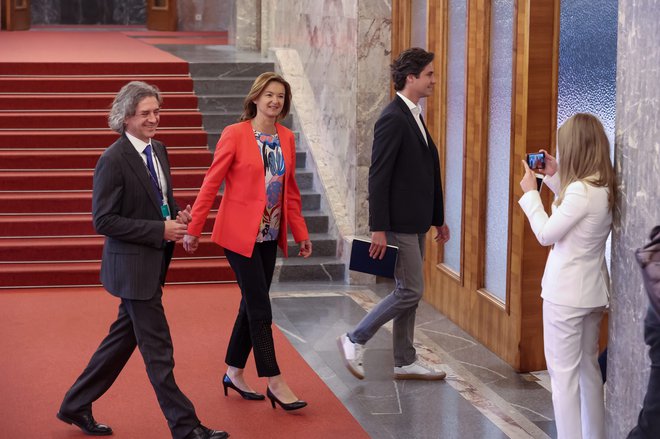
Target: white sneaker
417 371
352 354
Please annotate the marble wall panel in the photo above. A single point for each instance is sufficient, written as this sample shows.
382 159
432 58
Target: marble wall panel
374 53
45 11
129 12
248 24
88 12
344 47
638 169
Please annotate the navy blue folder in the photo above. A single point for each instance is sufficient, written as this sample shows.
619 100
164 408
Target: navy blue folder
362 262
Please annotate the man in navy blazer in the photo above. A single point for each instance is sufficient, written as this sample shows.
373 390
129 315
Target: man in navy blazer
405 200
133 206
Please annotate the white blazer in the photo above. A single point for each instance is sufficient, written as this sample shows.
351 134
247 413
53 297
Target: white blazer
575 273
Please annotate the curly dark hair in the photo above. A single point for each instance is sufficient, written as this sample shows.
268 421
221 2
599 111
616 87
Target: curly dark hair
410 61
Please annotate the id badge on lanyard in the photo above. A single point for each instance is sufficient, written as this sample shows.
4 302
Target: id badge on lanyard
165 210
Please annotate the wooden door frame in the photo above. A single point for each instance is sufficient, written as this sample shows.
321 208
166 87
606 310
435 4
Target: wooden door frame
9 19
162 18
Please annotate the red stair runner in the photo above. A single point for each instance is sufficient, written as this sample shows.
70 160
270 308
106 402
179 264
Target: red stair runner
54 127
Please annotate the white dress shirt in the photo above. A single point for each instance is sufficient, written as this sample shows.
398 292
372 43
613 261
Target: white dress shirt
575 272
416 110
140 146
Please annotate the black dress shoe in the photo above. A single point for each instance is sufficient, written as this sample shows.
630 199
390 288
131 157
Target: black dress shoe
201 432
86 422
251 396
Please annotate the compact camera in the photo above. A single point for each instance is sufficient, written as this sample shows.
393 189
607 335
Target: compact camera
536 160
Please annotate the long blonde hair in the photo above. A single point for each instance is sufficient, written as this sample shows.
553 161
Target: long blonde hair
584 154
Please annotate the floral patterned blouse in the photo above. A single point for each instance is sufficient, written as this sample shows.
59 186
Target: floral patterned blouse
271 153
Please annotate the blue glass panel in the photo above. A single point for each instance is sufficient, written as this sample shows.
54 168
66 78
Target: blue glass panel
587 61
419 24
587 64
453 172
499 146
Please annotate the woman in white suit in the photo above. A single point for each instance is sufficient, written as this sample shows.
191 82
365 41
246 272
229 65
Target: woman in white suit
575 283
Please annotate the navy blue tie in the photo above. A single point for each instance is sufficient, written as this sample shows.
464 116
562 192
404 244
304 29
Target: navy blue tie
153 176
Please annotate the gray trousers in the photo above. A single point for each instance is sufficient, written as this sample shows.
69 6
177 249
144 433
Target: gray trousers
401 304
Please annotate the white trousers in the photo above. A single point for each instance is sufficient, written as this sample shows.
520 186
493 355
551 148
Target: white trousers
570 336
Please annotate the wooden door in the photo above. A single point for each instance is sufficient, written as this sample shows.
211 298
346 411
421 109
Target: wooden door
162 15
16 14
511 327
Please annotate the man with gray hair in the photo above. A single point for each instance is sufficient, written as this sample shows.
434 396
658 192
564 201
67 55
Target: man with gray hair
134 207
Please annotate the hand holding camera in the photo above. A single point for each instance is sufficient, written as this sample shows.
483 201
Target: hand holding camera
542 163
539 162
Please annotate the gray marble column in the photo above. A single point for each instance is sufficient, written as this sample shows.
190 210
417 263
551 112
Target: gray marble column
248 24
373 93
637 162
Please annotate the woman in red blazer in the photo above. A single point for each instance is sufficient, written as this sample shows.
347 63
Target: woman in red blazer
256 158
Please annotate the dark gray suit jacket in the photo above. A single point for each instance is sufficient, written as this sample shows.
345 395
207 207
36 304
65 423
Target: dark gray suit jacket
405 190
126 210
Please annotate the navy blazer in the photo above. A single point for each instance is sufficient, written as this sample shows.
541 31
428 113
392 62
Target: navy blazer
405 191
126 210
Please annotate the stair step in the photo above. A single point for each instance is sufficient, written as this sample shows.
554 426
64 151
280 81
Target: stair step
76 180
233 104
83 248
58 224
80 224
16 139
230 69
61 248
216 121
84 101
86 273
89 119
297 269
89 84
222 86
35 180
81 201
323 245
87 158
75 68
46 202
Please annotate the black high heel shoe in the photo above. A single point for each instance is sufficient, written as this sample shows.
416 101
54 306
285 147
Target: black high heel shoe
288 407
251 396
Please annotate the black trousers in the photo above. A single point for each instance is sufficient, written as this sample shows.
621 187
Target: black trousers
140 323
648 423
252 328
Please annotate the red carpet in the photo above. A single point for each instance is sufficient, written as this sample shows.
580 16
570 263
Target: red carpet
66 53
55 91
47 338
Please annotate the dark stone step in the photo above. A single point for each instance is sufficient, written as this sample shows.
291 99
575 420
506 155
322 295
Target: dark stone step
317 221
305 179
297 269
322 245
230 69
222 86
310 200
211 103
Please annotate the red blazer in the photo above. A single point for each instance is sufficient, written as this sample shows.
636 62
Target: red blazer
237 161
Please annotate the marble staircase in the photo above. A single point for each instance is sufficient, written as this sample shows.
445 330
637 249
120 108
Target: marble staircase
220 88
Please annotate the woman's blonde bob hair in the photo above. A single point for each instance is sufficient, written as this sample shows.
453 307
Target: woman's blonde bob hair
584 154
259 85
